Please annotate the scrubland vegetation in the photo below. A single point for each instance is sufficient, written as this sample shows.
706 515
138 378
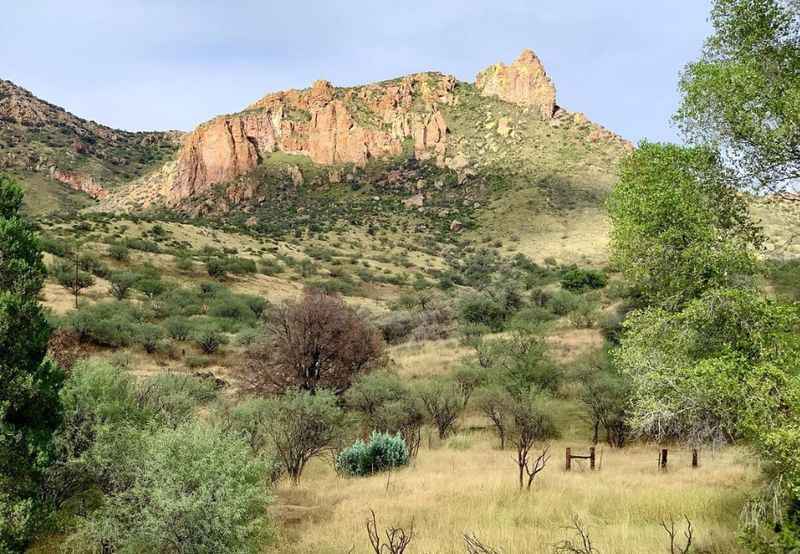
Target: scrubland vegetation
176 387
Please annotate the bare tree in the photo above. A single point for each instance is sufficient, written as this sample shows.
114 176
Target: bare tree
397 538
530 424
318 341
582 544
444 402
495 403
672 533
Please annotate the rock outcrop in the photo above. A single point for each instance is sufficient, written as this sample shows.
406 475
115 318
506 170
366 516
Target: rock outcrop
329 125
79 182
525 83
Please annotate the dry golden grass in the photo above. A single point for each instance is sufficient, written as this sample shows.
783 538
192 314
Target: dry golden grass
468 485
427 358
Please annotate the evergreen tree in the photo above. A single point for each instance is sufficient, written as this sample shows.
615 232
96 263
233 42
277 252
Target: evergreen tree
29 403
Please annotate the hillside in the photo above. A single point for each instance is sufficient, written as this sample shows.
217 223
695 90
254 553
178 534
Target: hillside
66 161
425 152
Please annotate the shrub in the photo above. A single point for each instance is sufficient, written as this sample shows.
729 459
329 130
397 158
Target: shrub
209 341
150 287
173 397
67 277
577 280
304 425
444 403
396 326
111 324
195 488
179 328
584 316
91 264
382 452
183 263
256 304
54 246
230 308
150 336
480 309
239 266
119 252
216 268
121 283
563 302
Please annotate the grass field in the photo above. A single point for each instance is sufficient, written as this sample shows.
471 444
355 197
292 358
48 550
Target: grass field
467 485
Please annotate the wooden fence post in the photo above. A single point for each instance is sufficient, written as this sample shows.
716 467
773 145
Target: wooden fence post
662 460
568 465
695 458
591 458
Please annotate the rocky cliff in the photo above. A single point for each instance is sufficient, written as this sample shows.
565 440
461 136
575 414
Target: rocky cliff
525 83
329 125
408 116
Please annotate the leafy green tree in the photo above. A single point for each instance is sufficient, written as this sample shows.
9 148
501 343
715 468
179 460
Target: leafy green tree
121 283
303 426
743 94
679 226
692 373
71 277
194 488
29 405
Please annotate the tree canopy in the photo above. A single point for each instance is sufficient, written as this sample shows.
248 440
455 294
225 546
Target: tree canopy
743 94
679 225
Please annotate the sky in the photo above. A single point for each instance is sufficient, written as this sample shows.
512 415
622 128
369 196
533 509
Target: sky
172 64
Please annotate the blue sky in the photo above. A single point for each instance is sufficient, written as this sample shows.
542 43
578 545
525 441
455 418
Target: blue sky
171 64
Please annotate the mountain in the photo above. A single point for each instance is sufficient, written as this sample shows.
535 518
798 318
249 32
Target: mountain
50 150
496 159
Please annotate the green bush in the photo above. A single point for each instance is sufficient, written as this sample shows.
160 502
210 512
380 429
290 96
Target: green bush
112 324
178 327
230 308
182 301
481 309
563 302
143 244
584 316
194 488
150 287
577 280
209 341
121 283
382 452
341 286
173 398
64 272
216 268
150 336
92 264
183 263
54 246
239 266
119 252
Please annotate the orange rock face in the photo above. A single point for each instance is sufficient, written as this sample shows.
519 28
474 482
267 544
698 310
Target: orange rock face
525 83
82 183
329 125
